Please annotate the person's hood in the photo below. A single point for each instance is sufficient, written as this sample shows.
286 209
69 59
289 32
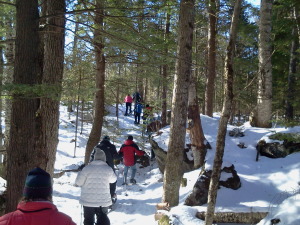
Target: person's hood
128 142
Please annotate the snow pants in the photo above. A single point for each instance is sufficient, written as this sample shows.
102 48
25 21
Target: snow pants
100 212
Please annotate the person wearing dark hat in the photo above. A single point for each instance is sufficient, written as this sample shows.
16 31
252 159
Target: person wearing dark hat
128 151
36 206
94 180
111 154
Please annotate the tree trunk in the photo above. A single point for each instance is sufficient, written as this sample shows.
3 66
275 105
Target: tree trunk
210 81
22 155
165 77
195 127
100 80
264 96
228 94
47 116
238 217
173 171
289 110
7 79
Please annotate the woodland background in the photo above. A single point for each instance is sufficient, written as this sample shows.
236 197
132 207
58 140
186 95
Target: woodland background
92 53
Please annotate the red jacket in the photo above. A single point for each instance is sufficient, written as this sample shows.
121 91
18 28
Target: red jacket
36 213
129 149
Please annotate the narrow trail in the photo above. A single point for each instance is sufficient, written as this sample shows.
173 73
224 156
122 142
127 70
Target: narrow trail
137 198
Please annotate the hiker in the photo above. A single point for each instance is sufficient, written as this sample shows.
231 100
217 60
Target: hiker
136 97
111 154
147 114
128 151
36 205
128 101
94 180
137 113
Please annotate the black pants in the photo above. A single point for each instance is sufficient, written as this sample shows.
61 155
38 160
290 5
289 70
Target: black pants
137 117
128 108
101 213
112 187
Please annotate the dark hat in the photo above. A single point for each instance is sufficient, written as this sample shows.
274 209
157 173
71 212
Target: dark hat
130 137
100 155
38 184
107 138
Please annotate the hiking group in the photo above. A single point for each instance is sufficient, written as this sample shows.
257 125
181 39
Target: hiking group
138 108
97 181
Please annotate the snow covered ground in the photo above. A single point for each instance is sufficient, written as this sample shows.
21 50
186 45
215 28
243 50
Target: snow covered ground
267 185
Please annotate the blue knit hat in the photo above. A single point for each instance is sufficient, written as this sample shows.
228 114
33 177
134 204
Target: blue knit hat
38 184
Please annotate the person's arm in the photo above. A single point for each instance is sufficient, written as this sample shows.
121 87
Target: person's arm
81 178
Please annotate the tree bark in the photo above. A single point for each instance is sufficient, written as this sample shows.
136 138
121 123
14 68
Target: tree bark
235 217
47 116
173 171
22 155
195 127
289 110
211 65
264 95
165 77
100 80
228 94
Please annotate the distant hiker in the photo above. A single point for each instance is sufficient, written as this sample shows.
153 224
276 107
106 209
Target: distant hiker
111 154
128 151
94 180
128 101
36 206
137 113
147 114
136 97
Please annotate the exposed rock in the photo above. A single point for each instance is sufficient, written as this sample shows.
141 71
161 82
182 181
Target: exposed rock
161 156
291 144
199 194
236 132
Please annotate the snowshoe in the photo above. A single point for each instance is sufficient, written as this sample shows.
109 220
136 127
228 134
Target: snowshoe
132 181
114 199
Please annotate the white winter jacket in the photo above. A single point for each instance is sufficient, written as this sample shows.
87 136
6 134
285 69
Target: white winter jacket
94 180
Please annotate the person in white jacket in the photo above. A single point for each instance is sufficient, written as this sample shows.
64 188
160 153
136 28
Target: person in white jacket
94 180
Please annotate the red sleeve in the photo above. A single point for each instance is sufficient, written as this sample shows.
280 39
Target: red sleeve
139 152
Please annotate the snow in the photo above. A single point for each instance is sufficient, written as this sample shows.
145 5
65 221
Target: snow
267 184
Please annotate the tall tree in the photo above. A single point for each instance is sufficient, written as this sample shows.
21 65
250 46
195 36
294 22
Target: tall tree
264 96
290 98
195 127
100 79
173 171
22 155
165 75
211 59
228 98
47 116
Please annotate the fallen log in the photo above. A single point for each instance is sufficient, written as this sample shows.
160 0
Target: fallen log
235 217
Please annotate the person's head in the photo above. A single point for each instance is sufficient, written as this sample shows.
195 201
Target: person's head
147 105
38 185
130 137
100 155
106 138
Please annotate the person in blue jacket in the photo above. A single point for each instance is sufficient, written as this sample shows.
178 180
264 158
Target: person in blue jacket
137 113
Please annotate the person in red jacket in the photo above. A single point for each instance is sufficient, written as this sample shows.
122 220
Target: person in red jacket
36 207
128 151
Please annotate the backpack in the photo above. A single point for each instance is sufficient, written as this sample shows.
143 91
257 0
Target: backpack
138 108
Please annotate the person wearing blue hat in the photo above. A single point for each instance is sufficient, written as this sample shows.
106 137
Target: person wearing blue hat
36 206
